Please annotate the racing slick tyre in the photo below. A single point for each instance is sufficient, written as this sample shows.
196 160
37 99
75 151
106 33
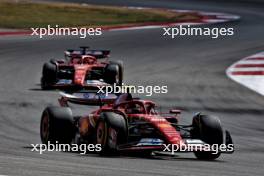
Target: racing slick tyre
208 129
49 75
57 125
121 70
111 130
114 73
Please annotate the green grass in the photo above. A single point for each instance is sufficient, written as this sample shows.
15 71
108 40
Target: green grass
26 15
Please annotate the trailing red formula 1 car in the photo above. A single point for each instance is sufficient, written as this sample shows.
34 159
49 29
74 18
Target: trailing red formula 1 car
123 123
82 68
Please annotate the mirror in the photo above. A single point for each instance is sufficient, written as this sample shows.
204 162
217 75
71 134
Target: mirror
175 111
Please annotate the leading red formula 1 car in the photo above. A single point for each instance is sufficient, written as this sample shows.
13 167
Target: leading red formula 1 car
82 68
129 124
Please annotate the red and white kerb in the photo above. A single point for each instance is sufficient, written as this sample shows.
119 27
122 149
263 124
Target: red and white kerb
249 72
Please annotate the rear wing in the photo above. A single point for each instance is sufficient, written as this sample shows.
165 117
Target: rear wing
86 98
98 54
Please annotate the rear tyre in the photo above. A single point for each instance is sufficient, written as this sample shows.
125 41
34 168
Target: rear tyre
49 75
57 125
111 74
208 129
111 130
120 69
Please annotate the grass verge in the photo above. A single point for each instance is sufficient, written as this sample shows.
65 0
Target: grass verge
25 14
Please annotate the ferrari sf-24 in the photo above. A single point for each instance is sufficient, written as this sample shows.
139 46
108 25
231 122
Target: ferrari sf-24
121 123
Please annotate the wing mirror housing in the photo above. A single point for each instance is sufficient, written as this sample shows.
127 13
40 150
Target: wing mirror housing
175 111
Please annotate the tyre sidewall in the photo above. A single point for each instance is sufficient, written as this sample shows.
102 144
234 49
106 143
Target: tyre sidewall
115 131
209 130
49 75
112 74
61 127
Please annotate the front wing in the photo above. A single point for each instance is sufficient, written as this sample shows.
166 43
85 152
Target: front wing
188 145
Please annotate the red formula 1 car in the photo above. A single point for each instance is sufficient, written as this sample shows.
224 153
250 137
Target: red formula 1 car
129 124
82 68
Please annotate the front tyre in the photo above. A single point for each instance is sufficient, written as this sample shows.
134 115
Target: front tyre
208 129
111 130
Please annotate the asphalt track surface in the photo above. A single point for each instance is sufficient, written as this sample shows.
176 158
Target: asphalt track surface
192 67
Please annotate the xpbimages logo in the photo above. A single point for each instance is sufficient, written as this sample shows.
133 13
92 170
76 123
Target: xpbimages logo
182 147
147 90
197 31
63 31
50 147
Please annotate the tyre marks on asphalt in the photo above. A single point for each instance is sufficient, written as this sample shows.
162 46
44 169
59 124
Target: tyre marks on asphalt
249 72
